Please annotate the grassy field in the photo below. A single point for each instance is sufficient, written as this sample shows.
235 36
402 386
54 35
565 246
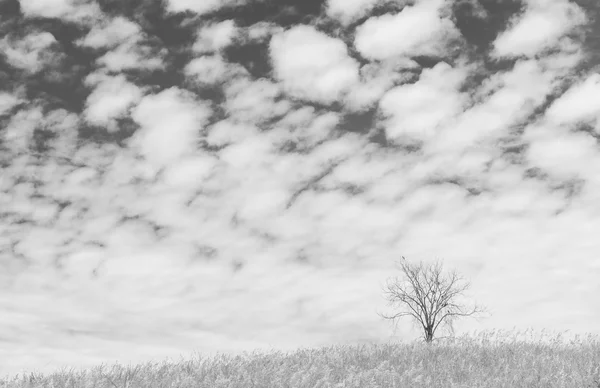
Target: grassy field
492 359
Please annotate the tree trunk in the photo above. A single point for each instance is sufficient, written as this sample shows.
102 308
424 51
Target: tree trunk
428 334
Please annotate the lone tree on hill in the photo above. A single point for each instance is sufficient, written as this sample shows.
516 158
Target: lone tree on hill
429 296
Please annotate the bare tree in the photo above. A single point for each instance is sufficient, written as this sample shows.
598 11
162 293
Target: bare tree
429 296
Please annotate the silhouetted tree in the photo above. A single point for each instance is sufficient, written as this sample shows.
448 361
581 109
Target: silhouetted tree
427 295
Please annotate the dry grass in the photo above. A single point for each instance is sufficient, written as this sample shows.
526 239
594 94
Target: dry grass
491 360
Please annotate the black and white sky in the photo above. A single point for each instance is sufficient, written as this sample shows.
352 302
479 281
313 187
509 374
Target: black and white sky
183 176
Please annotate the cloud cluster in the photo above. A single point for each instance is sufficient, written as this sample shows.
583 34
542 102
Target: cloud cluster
274 171
31 53
311 65
170 124
111 98
201 7
123 41
76 11
541 26
419 29
348 11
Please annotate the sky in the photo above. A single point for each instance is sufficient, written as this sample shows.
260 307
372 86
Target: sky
185 176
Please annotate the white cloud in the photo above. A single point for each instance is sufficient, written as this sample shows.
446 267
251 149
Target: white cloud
255 101
111 33
131 56
227 205
375 79
201 7
7 101
416 30
71 10
540 27
305 127
110 99
212 69
312 65
123 37
170 124
262 30
63 124
52 8
563 154
31 53
226 132
189 171
215 37
516 94
580 103
347 11
417 110
248 153
19 131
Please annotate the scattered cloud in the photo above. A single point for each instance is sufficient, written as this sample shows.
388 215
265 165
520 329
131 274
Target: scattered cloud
110 99
19 131
7 102
312 65
125 42
137 219
416 30
565 155
212 69
170 123
255 101
262 30
31 53
76 11
418 110
507 99
111 33
201 7
215 37
578 104
539 28
348 11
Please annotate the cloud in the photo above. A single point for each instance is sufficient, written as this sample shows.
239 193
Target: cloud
32 53
130 56
540 27
515 95
416 30
189 171
578 104
62 125
564 154
146 251
170 124
312 65
375 79
201 7
305 127
125 41
110 99
417 110
262 30
70 10
226 132
212 69
215 37
19 131
111 33
7 102
347 11
255 101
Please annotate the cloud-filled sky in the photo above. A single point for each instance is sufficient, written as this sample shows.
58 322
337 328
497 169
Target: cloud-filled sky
185 176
